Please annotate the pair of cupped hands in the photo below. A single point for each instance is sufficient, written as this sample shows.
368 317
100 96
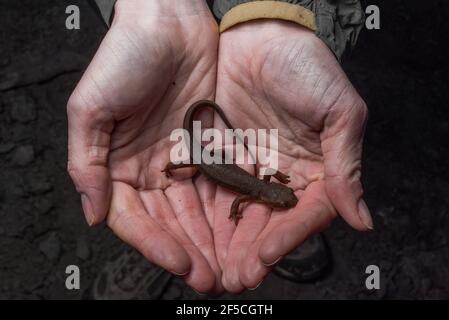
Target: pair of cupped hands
159 57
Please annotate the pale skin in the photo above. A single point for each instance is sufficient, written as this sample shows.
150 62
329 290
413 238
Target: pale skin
286 78
150 67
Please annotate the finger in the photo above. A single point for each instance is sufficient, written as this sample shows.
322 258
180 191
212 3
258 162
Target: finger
223 226
89 129
186 205
286 231
342 147
313 213
201 276
252 270
255 218
130 222
206 192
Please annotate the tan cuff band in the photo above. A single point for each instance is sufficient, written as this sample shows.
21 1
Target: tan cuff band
268 10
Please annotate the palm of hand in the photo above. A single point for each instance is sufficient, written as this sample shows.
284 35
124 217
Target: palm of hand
285 78
124 125
132 96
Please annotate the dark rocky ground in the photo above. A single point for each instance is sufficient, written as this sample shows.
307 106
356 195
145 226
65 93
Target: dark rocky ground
401 71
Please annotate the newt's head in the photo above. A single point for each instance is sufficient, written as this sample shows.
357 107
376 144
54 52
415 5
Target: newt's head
278 196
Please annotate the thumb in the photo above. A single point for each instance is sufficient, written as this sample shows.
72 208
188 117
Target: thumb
342 140
89 131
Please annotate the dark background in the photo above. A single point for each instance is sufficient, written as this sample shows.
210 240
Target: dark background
400 70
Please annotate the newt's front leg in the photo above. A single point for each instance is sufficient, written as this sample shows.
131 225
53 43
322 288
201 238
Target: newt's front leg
173 166
235 214
281 177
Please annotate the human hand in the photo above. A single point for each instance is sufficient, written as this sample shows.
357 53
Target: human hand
150 66
274 74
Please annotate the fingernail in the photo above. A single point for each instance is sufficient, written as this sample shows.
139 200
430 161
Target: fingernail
257 286
179 274
88 209
272 263
364 215
199 293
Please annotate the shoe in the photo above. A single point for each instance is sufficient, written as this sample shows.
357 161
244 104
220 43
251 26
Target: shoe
128 275
307 263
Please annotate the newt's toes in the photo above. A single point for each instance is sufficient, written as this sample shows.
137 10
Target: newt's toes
167 173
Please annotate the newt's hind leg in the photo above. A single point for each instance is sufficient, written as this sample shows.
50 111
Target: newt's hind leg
173 166
235 214
281 177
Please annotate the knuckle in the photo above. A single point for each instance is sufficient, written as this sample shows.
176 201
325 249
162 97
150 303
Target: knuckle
73 172
83 178
364 110
77 106
360 110
73 104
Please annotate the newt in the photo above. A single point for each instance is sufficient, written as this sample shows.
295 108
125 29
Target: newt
231 176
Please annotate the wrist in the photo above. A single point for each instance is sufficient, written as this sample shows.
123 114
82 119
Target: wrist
138 10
